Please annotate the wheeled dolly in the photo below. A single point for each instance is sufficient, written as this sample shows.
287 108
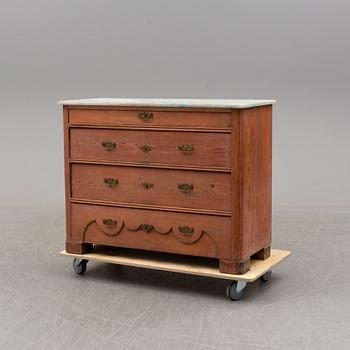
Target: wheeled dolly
260 269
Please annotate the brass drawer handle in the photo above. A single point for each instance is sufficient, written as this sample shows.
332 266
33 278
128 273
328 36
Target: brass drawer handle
109 145
185 188
186 230
145 227
185 149
110 182
146 148
146 116
147 185
110 223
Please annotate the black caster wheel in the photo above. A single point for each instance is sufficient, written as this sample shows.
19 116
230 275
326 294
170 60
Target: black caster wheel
79 266
235 290
266 276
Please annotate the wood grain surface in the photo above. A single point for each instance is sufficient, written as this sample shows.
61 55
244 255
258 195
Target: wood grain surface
175 148
126 162
173 119
193 234
252 181
210 190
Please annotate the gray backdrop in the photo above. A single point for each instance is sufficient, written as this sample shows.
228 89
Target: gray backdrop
297 52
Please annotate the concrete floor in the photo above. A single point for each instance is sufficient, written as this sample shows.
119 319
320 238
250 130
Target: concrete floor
44 305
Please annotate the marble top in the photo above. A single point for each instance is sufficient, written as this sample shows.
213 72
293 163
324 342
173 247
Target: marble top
168 102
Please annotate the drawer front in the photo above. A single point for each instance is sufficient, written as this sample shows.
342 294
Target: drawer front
139 118
192 234
174 188
159 147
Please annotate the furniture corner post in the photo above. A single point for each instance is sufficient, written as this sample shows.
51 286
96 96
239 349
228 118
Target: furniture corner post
78 248
67 174
262 254
236 187
234 267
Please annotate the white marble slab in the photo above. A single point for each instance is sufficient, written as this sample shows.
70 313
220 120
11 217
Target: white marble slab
165 102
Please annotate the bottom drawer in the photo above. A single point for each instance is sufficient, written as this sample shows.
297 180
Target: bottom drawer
191 234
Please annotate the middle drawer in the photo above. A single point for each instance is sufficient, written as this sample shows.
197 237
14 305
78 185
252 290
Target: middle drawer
195 149
160 187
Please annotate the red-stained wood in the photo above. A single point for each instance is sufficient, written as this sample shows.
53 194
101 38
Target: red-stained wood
178 148
124 227
152 207
171 119
234 203
210 190
154 128
262 254
235 264
78 247
151 165
235 267
67 178
251 182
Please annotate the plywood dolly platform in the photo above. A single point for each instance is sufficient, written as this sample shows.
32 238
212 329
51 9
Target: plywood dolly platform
181 264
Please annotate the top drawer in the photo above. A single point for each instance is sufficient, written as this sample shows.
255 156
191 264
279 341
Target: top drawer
151 119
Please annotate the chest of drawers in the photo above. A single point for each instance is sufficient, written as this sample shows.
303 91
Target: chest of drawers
187 177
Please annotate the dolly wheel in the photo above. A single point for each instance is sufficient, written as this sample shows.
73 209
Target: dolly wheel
79 266
235 290
266 276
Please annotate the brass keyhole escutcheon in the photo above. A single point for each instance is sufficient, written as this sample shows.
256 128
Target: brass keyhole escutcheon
145 227
185 149
186 230
185 188
147 185
110 223
109 145
110 182
146 116
146 148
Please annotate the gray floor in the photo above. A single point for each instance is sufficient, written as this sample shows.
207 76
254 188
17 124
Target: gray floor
44 305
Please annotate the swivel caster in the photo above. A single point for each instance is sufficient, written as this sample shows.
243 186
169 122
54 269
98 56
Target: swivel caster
79 266
235 290
266 276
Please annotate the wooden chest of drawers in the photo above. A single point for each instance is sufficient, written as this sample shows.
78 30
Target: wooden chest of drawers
181 176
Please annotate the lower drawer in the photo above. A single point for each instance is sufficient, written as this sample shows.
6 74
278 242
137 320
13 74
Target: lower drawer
191 234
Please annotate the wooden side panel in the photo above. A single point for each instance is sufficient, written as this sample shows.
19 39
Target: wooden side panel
171 119
210 191
174 148
252 181
203 235
67 171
